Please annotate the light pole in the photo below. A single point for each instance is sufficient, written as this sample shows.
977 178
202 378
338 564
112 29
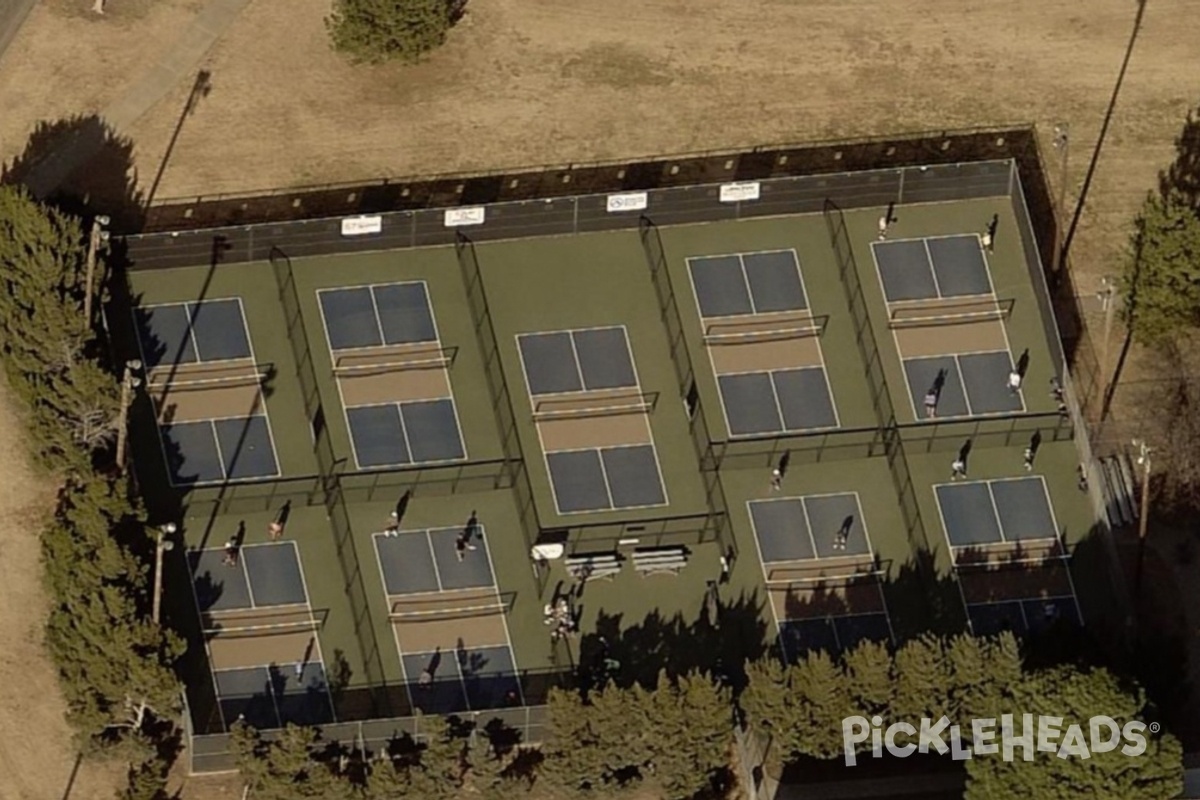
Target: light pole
164 544
98 237
1062 143
128 384
1143 461
1108 303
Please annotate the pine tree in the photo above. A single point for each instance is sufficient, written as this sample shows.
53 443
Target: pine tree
691 719
441 765
824 701
1077 696
374 31
922 680
1161 278
869 672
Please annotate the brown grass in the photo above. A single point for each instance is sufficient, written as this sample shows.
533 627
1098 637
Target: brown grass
526 82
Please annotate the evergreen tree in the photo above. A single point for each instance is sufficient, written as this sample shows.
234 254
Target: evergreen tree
922 680
574 762
71 401
869 672
824 701
374 31
1078 696
441 764
286 768
691 727
1161 278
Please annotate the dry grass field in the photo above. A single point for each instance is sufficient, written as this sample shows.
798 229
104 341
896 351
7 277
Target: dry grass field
527 82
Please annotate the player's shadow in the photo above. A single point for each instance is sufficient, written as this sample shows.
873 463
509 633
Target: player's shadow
1183 175
81 165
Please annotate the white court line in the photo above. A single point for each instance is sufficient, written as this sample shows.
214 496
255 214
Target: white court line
762 564
578 362
812 539
746 281
962 384
657 466
607 484
212 429
937 287
212 673
1049 506
378 316
318 650
996 512
433 558
962 595
404 431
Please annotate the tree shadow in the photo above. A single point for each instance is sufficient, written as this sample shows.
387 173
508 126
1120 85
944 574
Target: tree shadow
1183 175
82 166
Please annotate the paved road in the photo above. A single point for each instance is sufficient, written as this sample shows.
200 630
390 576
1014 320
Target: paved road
12 16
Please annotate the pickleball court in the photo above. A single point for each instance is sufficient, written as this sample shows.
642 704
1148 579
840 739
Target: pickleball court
393 375
763 342
821 572
207 391
593 419
262 636
948 325
448 620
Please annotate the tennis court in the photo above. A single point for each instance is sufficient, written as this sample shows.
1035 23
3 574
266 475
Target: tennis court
261 634
393 375
448 619
207 391
821 572
948 325
763 342
593 419
1011 564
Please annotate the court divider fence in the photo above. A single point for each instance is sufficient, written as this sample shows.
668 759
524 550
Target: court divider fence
881 395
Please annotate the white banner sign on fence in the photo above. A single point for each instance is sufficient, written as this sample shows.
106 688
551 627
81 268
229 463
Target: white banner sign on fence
361 226
458 217
631 201
737 192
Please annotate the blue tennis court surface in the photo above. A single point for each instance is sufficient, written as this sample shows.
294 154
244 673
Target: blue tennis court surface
834 634
272 696
592 359
967 385
419 562
981 513
399 434
189 333
373 316
748 283
213 451
812 527
928 269
265 575
1023 617
454 682
603 479
779 401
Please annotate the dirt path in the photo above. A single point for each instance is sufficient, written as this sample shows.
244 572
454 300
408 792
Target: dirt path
36 757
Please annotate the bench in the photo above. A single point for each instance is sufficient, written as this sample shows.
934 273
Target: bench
595 566
660 560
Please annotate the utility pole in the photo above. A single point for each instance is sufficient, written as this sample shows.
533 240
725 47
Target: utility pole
1107 297
1062 143
98 237
1143 461
164 545
128 384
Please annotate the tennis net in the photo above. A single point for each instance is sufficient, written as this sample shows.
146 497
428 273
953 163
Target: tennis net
272 629
368 364
403 611
598 405
933 315
764 330
1032 552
